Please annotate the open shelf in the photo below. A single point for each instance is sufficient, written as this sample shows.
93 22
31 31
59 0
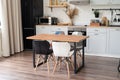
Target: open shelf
57 6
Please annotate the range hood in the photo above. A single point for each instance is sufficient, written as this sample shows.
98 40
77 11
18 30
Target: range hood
79 2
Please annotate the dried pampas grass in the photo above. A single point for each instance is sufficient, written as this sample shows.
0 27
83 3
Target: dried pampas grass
72 12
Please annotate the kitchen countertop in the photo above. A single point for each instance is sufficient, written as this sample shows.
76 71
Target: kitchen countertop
81 26
109 27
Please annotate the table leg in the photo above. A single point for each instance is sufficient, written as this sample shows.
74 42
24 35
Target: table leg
119 66
34 65
75 63
83 54
76 70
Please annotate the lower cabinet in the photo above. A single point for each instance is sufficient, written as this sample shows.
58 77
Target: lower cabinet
50 29
96 43
42 29
114 43
103 42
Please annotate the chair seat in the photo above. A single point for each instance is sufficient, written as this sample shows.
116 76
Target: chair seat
50 51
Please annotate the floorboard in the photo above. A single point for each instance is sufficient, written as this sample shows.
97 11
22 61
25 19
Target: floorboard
19 67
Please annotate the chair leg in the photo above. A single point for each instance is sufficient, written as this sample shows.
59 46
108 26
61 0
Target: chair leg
68 69
52 58
55 66
79 55
71 62
37 62
48 66
59 62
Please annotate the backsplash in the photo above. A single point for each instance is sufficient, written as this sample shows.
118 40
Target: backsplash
85 13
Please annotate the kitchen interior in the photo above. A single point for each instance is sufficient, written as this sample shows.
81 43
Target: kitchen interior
98 19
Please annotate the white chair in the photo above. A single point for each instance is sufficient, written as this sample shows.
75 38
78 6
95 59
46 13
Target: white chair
62 51
78 45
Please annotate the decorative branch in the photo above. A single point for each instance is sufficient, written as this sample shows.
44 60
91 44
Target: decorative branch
71 12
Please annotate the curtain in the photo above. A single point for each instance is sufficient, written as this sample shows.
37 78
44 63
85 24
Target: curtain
11 27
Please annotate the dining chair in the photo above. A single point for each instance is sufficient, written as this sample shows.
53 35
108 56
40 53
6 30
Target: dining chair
78 45
42 48
59 33
61 50
77 34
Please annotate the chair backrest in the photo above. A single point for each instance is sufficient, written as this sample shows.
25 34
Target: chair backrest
59 33
77 34
61 49
41 47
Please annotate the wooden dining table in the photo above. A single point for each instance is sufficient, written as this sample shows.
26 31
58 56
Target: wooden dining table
63 38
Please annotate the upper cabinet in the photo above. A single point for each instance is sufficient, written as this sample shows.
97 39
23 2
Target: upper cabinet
114 42
104 2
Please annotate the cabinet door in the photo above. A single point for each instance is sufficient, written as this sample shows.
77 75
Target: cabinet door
99 2
42 30
114 42
96 43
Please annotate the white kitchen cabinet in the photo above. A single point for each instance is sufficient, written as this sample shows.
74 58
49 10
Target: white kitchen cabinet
42 29
50 29
96 43
104 2
114 42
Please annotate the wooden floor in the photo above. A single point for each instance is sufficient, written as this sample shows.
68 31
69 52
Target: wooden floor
19 67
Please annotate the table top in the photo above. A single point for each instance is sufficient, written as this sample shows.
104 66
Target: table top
62 38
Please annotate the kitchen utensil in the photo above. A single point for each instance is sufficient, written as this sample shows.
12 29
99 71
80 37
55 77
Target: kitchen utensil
119 19
115 19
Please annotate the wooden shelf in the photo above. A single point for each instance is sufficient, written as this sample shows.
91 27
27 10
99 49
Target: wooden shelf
57 6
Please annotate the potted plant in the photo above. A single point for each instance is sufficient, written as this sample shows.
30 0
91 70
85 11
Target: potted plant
96 13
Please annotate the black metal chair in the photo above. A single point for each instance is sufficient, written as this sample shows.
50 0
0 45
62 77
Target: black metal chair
42 48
